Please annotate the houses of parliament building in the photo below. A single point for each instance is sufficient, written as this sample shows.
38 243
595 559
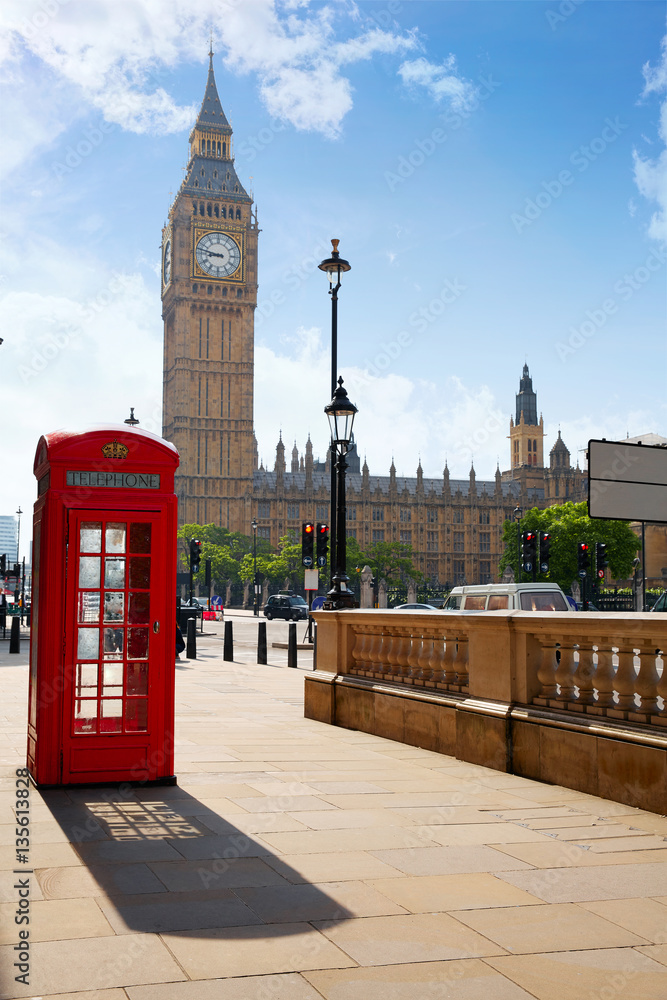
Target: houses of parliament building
209 294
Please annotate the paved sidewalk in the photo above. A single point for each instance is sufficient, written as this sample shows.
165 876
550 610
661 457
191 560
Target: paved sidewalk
296 861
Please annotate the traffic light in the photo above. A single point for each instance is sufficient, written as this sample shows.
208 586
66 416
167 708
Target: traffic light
195 555
17 570
582 558
3 565
322 543
528 550
307 539
601 558
545 551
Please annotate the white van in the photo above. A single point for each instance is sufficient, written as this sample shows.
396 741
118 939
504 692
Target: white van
508 597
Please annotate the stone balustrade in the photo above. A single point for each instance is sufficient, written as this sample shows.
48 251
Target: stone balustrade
495 687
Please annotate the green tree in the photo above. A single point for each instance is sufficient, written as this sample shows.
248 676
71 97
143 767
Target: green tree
568 524
392 561
226 550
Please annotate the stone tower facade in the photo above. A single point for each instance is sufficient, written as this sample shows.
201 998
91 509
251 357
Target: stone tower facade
209 294
527 435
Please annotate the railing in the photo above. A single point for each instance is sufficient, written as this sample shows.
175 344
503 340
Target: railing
608 665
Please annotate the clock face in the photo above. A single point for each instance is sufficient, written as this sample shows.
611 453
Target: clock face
166 263
218 254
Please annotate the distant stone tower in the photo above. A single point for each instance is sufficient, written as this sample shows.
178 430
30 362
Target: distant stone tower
527 435
209 294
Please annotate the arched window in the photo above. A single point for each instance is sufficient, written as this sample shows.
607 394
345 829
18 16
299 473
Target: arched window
218 149
530 445
209 210
239 293
201 207
194 207
195 287
224 292
215 209
223 212
224 187
238 213
196 184
209 290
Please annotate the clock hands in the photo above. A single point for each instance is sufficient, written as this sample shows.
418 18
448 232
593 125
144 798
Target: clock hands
211 253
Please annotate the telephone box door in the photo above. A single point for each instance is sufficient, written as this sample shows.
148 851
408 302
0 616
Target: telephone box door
115 655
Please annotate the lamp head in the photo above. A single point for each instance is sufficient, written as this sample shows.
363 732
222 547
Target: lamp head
341 413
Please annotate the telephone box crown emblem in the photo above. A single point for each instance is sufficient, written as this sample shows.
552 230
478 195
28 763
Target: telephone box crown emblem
115 449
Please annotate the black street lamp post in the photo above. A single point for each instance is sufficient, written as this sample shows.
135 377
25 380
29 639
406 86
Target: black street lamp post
341 413
255 607
334 266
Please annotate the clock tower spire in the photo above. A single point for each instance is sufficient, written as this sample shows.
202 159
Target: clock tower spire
209 295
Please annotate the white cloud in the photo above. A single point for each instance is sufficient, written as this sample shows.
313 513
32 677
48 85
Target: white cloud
442 82
114 58
651 174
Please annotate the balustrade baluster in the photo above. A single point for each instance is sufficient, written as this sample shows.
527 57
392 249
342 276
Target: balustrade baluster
358 656
647 681
449 668
565 674
375 654
413 660
546 671
424 657
583 676
436 662
401 655
604 677
387 665
626 678
462 662
661 686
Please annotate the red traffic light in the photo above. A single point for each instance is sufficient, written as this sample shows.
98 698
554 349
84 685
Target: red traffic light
308 528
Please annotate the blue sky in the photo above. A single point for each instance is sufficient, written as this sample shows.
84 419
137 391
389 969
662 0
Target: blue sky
495 171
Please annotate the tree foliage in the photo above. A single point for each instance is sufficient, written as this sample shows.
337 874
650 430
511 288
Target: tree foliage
568 524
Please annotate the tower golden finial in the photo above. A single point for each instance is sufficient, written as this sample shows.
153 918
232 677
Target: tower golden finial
334 244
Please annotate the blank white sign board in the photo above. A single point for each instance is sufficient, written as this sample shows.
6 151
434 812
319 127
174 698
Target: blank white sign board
627 481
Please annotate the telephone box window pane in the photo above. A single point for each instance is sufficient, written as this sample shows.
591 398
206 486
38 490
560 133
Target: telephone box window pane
88 645
113 643
89 571
137 678
86 679
136 715
112 680
140 573
114 606
112 715
140 609
115 537
114 572
90 537
89 606
85 716
140 537
137 643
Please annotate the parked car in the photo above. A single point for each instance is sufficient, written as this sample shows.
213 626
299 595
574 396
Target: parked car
415 607
591 606
291 607
195 608
508 597
661 603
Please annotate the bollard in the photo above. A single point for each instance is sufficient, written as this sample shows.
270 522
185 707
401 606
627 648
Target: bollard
291 645
3 620
15 636
228 650
261 642
191 639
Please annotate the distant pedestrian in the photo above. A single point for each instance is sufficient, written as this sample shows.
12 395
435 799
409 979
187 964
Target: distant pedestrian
180 642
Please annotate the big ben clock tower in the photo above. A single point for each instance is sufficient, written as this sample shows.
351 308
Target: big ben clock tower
209 294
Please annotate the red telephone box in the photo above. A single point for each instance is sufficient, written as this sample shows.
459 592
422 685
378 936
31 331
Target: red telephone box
102 650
